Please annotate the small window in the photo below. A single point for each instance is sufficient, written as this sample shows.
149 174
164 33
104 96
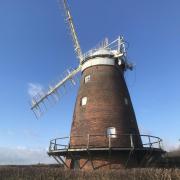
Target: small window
87 79
126 101
84 101
111 132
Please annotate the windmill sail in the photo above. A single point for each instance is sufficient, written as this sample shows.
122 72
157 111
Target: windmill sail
41 100
69 19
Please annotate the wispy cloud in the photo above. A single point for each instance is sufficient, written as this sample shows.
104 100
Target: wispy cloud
34 89
31 133
170 146
24 156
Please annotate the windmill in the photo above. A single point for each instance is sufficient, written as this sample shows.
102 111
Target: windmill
104 131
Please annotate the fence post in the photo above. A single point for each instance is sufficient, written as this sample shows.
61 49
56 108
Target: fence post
131 139
150 141
55 145
88 142
69 144
109 141
159 143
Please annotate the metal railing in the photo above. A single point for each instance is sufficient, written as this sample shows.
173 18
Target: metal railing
117 45
105 141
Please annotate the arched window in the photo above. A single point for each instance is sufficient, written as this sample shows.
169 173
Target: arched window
83 101
111 132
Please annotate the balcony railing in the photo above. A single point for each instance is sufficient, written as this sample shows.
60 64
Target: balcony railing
111 141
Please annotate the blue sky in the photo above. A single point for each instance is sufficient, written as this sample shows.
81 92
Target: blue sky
36 48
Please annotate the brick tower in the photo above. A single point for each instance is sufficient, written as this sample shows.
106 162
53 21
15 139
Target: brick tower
103 103
103 110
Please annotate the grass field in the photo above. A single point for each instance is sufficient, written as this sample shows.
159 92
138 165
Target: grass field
170 171
54 173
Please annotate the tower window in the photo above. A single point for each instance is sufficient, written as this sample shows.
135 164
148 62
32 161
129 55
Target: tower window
84 101
111 132
126 101
87 79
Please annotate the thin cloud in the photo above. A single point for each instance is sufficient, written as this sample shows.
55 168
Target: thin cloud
24 156
30 133
34 89
170 146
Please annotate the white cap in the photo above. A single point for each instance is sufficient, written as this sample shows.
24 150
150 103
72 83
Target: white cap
102 51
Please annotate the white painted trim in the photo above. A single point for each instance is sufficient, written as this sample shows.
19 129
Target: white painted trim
98 61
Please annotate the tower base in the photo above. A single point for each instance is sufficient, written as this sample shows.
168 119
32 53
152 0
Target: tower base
109 156
108 159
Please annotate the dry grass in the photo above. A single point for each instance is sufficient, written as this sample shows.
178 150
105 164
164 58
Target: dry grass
175 153
46 173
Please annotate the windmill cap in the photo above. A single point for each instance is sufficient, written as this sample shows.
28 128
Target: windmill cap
102 51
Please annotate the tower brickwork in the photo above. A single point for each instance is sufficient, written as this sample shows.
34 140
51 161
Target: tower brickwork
108 105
